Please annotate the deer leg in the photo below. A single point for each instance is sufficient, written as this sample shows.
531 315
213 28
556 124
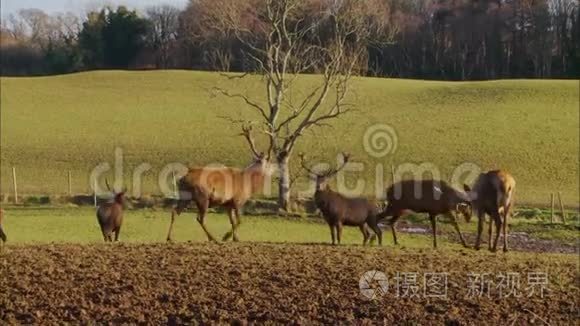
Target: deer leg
339 232
177 210
505 236
372 237
505 226
378 232
229 234
393 223
105 237
332 234
480 223
2 235
497 220
456 225
433 219
200 219
490 232
117 232
365 233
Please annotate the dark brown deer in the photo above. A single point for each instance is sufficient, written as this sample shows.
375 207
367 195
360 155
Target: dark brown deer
493 194
2 234
110 215
426 196
339 210
226 187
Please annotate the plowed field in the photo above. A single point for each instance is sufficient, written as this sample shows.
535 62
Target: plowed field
246 282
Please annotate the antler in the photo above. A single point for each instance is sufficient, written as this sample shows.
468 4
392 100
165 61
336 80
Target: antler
107 184
332 172
247 133
304 166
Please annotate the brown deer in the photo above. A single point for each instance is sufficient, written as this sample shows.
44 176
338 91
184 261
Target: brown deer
426 196
493 194
226 187
2 234
110 215
339 210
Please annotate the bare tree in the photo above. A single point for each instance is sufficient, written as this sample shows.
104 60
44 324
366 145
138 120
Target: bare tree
284 42
15 27
68 25
205 27
165 23
39 25
39 29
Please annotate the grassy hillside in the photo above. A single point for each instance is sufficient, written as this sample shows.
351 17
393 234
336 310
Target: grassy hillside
54 124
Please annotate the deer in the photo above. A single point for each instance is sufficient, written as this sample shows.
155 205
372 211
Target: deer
110 215
224 187
493 194
2 234
339 210
433 197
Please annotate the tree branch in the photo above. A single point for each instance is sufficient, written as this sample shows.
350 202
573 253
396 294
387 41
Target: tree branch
243 97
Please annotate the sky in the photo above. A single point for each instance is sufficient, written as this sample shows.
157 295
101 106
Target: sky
79 6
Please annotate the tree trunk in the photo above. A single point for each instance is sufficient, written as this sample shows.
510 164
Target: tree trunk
284 183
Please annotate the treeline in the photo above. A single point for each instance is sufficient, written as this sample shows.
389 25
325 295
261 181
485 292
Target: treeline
430 39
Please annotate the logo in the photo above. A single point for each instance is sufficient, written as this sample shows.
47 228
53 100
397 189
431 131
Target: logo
373 284
380 140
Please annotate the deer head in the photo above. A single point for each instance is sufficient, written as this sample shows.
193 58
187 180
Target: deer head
260 161
461 201
119 197
465 209
323 176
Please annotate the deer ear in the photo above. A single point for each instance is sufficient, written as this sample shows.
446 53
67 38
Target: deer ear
466 188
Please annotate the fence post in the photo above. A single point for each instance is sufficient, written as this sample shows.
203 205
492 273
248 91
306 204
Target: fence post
561 207
552 208
14 184
69 184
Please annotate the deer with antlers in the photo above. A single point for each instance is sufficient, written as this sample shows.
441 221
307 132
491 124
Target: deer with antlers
110 215
339 210
493 194
222 186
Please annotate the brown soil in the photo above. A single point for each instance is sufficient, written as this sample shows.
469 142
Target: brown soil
185 283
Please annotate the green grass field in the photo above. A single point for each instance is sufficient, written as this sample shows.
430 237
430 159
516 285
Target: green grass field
36 225
54 124
30 226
